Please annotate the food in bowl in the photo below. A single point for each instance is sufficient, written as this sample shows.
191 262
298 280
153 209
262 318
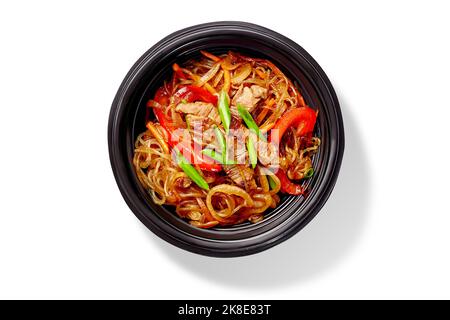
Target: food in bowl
230 133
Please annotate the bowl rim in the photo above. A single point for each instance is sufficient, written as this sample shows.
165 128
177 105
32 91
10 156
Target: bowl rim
187 242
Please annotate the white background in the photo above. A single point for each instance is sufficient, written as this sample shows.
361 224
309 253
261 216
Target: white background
65 231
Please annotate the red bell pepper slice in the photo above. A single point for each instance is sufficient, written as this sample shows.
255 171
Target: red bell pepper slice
304 118
191 93
286 185
178 71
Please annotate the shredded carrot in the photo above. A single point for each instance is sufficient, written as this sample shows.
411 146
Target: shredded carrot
263 113
210 55
261 74
178 71
269 123
261 116
158 137
227 80
267 127
301 101
210 88
207 86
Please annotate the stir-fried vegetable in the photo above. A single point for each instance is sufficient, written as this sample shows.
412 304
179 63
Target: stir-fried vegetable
248 119
158 136
252 155
224 110
217 156
210 55
178 71
241 73
309 173
272 183
286 185
191 93
304 118
209 75
227 80
220 138
191 172
213 155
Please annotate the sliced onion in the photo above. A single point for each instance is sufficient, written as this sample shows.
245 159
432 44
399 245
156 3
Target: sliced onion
157 134
228 65
264 199
205 225
263 180
228 190
218 78
277 184
256 218
194 215
241 73
153 104
228 211
209 75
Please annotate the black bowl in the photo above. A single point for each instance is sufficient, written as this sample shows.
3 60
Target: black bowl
126 121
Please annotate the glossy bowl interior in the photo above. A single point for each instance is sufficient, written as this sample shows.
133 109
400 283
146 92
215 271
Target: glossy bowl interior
127 116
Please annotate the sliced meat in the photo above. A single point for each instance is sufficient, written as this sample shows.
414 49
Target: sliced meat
194 120
248 98
183 182
236 146
241 175
203 126
202 109
258 92
268 153
236 123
